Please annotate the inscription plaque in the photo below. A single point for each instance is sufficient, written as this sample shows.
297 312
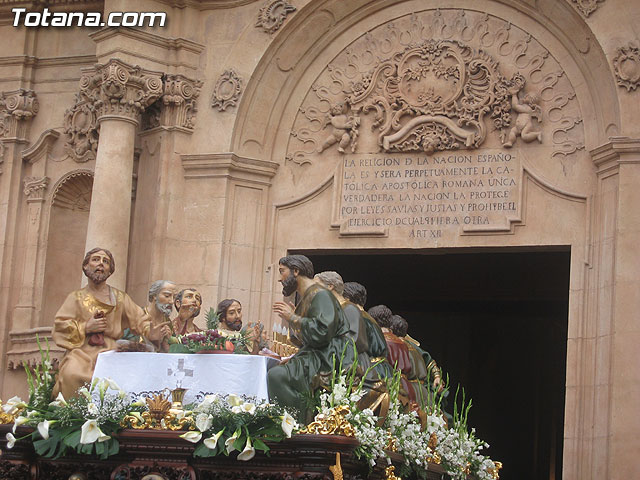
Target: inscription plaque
429 196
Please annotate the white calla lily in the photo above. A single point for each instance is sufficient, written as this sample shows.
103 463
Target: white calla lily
248 453
234 400
59 401
11 440
193 437
13 405
288 424
90 432
211 442
43 428
204 422
92 409
230 441
19 421
249 408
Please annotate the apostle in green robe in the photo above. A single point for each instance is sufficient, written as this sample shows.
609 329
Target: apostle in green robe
321 329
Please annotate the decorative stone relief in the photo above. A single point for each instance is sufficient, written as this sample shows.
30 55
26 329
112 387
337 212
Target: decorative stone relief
586 7
82 130
177 105
34 187
626 65
273 14
227 90
114 88
438 80
16 107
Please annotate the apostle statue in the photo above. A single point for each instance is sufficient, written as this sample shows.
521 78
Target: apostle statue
161 298
188 303
377 346
230 318
91 320
319 325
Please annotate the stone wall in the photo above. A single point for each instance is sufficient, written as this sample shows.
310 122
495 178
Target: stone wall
248 129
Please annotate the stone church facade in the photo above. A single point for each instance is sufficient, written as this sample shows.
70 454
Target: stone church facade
204 150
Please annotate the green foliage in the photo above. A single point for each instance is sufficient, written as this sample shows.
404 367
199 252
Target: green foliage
212 319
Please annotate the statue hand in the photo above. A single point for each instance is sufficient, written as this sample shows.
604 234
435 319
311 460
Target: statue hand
284 310
160 331
97 324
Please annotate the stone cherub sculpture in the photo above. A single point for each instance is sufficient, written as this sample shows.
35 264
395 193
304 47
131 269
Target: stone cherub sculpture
344 128
526 110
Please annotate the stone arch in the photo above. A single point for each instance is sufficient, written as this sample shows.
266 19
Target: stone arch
322 28
324 33
68 220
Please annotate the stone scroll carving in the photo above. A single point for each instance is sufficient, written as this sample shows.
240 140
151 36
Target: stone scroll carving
227 90
586 7
435 96
34 187
273 14
439 80
16 107
177 106
115 88
626 65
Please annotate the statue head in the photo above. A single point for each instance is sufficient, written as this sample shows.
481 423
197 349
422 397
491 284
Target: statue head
331 280
356 293
399 326
531 99
162 295
98 264
188 302
291 267
339 108
381 314
230 314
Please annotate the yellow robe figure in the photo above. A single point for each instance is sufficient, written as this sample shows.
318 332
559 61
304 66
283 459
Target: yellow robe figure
79 361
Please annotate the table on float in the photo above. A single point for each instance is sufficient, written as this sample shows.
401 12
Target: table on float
141 372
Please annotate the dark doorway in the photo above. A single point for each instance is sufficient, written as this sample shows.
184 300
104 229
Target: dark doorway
497 324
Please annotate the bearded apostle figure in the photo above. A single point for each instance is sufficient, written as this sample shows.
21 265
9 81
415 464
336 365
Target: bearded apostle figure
91 320
321 329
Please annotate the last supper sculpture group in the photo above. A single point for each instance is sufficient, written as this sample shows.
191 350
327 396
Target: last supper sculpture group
345 371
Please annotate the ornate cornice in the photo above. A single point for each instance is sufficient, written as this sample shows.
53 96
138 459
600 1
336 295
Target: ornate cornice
228 165
16 107
615 152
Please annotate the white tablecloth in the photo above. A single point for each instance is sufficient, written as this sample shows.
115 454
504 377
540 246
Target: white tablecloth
138 372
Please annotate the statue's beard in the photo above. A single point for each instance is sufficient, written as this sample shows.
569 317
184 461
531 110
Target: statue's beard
289 285
192 310
164 308
96 277
234 326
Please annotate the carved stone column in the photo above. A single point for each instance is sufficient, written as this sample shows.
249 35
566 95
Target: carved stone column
119 93
17 108
615 333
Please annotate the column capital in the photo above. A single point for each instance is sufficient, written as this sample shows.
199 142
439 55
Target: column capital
34 188
113 90
616 151
16 108
117 89
177 105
